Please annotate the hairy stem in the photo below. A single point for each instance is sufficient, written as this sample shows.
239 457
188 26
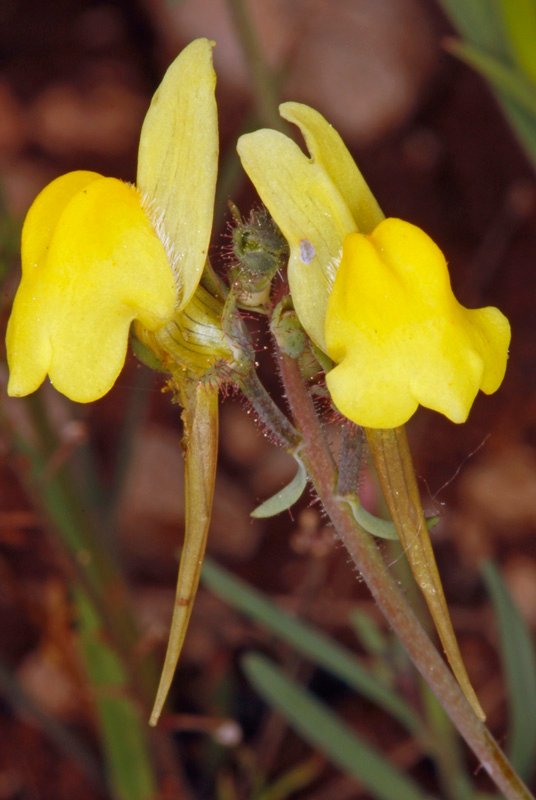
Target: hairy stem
394 466
391 601
269 414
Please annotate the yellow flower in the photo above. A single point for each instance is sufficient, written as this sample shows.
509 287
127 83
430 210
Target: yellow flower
375 295
383 311
98 253
400 337
314 201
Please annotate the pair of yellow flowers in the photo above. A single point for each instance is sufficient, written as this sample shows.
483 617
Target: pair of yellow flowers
372 293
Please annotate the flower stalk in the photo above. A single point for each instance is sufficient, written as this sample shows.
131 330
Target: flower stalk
370 305
391 601
394 467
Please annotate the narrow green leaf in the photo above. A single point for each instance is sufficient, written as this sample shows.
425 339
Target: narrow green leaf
285 498
371 637
123 731
519 664
479 22
500 74
324 730
382 528
295 779
524 125
126 751
519 20
308 641
486 29
376 526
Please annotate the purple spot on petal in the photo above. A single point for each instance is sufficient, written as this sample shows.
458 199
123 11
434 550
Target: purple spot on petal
307 251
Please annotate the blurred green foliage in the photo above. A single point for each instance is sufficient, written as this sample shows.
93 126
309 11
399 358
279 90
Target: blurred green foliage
498 40
377 683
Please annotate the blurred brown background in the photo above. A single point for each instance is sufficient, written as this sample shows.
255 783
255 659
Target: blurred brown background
75 81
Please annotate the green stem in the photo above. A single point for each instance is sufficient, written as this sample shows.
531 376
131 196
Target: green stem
264 85
269 414
390 599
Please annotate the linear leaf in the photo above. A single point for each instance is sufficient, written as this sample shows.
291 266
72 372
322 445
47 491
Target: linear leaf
519 664
488 30
502 76
479 22
519 21
308 641
286 497
123 731
318 725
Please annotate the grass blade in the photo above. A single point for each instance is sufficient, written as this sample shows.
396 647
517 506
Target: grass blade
480 23
324 730
519 664
519 21
107 630
497 41
503 77
123 731
309 642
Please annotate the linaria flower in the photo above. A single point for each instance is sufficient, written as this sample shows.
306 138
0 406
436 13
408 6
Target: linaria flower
373 294
400 337
98 253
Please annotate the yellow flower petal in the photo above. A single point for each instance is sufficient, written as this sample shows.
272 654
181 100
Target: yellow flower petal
28 352
315 202
400 337
98 253
44 213
91 264
177 163
311 213
328 150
